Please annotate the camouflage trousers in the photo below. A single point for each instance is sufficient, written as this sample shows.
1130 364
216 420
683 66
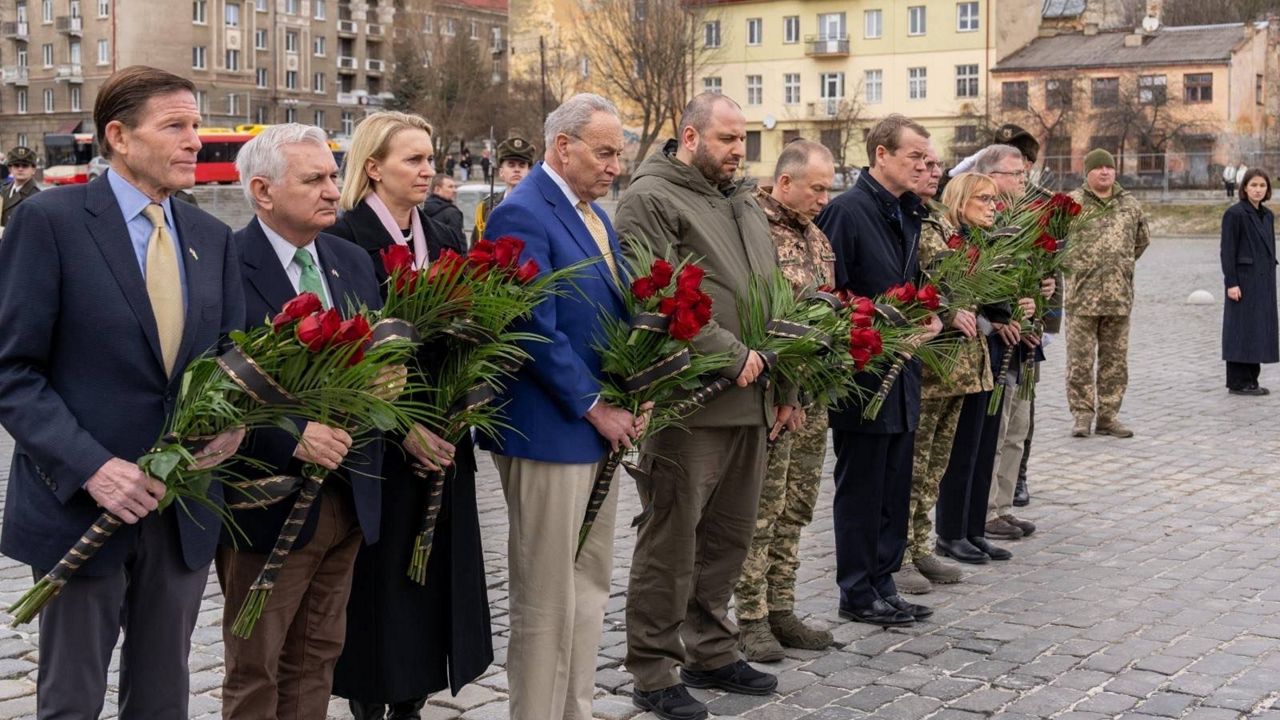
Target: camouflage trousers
1104 338
935 434
787 498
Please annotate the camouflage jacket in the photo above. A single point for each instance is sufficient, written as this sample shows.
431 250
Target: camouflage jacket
972 370
1101 252
804 253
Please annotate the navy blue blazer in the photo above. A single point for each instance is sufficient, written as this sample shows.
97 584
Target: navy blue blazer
81 376
348 271
547 401
875 237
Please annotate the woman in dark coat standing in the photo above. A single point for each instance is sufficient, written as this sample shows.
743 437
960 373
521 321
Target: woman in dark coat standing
404 640
1250 331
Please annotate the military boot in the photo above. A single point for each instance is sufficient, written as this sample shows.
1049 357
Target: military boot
910 581
1081 427
757 641
1114 428
792 633
937 571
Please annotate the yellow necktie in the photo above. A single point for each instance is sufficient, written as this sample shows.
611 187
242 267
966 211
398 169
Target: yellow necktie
164 286
600 235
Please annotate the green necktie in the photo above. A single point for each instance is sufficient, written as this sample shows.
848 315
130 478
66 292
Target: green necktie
310 280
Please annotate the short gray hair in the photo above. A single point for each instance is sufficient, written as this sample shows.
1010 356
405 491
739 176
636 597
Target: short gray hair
989 157
574 115
797 154
262 156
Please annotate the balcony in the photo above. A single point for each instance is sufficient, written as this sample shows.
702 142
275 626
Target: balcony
72 74
826 46
825 108
14 75
373 65
14 31
498 47
72 25
347 64
374 32
346 28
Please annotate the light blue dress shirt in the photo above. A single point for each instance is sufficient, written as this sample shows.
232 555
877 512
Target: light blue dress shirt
132 202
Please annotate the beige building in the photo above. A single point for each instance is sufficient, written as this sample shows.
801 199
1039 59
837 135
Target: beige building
323 62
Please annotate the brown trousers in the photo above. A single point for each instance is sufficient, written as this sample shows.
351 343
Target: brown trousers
703 488
284 670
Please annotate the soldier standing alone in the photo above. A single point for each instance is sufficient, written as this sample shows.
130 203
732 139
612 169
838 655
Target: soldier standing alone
515 157
22 164
1099 270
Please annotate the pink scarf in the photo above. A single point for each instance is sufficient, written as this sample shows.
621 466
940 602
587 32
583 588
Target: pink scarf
393 229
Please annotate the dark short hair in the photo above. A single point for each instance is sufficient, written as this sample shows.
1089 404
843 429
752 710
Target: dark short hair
123 96
796 155
439 179
697 114
888 132
1253 173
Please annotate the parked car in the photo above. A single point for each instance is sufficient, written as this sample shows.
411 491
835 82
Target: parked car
97 166
469 196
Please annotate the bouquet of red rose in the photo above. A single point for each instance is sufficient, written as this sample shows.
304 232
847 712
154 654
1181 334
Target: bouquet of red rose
887 332
647 361
306 363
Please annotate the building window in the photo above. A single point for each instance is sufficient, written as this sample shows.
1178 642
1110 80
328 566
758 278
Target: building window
831 26
317 118
48 101
46 54
831 86
429 24
917 83
198 57
1057 94
475 30
318 46
260 5
711 84
348 123
291 79
872 24
104 51
755 89
753 146
1013 95
755 31
966 81
1106 92
233 105
73 52
966 135
291 41
319 13
46 11
873 84
262 77
711 34
1197 88
233 60
1257 89
317 82
22 104
1057 155
232 15
22 137
916 20
75 98
791 89
791 29
1150 158
1110 143
104 8
966 17
584 69
199 9
450 27
1153 89
291 114
290 7
260 39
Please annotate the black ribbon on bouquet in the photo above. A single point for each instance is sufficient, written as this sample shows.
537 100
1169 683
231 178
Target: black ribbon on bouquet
796 331
661 370
892 315
651 322
393 329
255 381
824 297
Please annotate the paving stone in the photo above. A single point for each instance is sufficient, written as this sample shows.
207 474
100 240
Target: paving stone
987 700
1107 703
1165 704
872 697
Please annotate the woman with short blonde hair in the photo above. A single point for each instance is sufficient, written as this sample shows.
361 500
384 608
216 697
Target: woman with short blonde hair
960 191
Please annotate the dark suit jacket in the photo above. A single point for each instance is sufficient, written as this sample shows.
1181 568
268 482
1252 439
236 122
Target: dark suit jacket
8 204
81 376
361 226
547 402
349 275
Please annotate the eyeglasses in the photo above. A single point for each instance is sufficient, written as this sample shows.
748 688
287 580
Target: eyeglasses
985 199
1016 173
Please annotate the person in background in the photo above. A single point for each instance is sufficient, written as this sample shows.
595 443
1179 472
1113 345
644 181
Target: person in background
515 157
441 205
1249 322
22 165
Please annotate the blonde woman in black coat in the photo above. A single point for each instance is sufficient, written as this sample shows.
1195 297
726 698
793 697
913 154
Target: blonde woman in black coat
1250 331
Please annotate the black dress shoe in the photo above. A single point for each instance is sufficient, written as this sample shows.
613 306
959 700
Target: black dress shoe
1021 496
738 677
367 711
877 613
918 612
670 703
409 710
1253 390
961 550
991 551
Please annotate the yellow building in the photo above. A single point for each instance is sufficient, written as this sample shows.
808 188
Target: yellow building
827 69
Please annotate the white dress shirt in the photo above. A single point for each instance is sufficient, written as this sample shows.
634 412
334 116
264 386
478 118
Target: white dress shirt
285 250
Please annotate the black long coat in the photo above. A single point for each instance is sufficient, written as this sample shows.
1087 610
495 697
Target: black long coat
404 640
1250 331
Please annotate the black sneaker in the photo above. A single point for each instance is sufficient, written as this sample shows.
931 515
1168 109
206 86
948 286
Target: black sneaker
738 677
670 703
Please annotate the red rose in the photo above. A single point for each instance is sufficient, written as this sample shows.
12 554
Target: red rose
955 241
396 258
904 293
506 251
445 266
667 306
1000 206
482 254
690 277
527 272
928 297
643 288
350 331
684 324
1074 208
861 311
301 306
1047 243
861 356
356 356
868 338
702 309
686 297
660 273
972 252
315 331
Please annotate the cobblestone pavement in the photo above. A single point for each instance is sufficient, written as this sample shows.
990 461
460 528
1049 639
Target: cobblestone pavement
1152 587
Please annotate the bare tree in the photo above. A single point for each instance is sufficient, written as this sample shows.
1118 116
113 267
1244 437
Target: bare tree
645 54
1050 111
1145 116
842 126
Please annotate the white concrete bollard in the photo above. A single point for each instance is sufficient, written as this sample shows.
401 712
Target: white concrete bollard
1201 297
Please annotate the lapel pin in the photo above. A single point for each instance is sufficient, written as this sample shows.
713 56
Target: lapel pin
193 254
334 272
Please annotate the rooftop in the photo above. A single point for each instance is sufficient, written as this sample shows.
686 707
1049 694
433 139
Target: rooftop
1062 8
1196 44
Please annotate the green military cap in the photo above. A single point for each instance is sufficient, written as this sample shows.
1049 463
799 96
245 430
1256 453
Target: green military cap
21 155
1010 134
515 148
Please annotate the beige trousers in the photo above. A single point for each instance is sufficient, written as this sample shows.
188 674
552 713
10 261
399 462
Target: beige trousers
557 604
1014 427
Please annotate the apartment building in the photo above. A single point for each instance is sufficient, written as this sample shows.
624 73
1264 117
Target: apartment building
827 69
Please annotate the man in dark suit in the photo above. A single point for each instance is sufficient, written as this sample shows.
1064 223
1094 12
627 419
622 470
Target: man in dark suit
285 669
560 430
107 291
22 164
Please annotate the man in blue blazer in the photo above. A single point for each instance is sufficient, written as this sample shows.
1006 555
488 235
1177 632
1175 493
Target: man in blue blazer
107 292
561 431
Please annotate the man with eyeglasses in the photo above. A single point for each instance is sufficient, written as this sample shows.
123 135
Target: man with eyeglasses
22 168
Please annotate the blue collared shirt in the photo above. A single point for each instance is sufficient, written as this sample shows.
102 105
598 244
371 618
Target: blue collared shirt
132 202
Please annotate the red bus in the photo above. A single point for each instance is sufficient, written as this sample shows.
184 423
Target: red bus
216 161
67 156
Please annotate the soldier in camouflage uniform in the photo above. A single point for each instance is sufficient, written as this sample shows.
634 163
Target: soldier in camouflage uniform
940 401
765 595
1099 267
515 157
